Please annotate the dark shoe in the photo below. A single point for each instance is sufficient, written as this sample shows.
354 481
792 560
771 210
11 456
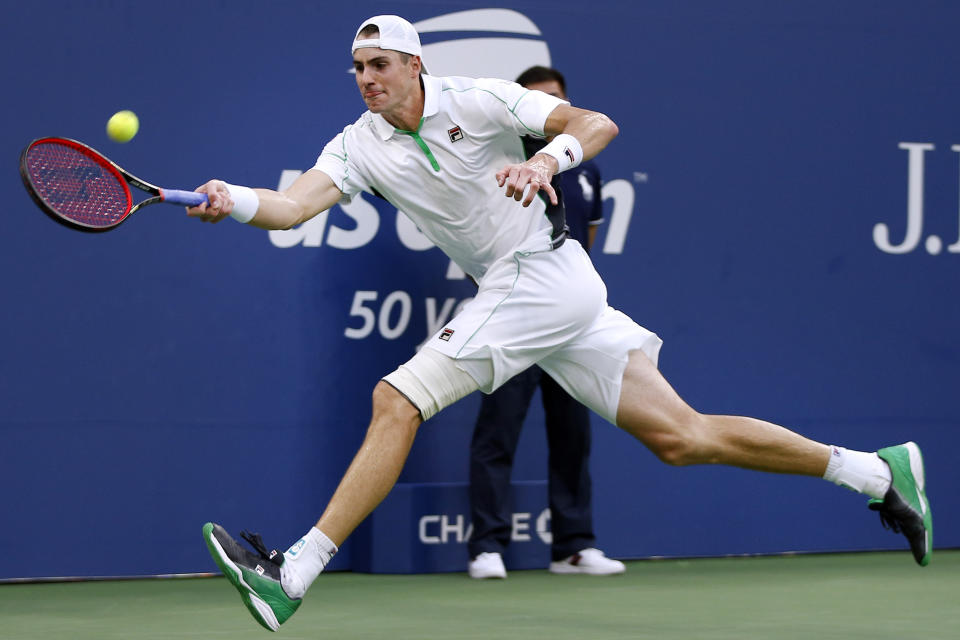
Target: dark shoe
256 577
905 508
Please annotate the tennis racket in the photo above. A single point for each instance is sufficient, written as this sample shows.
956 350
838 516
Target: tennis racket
81 188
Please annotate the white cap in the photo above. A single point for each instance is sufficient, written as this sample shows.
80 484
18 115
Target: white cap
395 33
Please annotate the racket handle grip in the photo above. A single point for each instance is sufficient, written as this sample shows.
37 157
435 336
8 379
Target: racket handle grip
187 198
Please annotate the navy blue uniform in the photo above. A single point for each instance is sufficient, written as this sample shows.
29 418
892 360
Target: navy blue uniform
501 416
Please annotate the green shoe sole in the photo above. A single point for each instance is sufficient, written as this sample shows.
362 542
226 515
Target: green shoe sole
241 579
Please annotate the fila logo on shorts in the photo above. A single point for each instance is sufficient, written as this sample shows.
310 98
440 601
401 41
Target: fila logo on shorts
455 134
445 335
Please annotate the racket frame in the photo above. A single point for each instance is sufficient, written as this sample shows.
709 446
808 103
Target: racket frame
125 178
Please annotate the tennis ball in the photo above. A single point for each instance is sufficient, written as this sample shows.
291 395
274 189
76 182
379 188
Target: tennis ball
122 126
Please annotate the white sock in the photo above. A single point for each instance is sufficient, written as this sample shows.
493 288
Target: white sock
863 472
304 561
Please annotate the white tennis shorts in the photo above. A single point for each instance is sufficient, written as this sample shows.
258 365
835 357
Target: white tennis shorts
547 308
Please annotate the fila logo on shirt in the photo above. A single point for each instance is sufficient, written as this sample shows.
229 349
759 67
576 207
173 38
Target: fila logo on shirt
456 134
446 334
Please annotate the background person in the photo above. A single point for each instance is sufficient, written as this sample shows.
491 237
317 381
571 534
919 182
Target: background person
501 415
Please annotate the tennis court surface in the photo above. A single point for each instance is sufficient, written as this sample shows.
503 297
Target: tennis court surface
863 595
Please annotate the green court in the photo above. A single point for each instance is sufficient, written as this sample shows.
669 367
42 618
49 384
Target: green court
865 595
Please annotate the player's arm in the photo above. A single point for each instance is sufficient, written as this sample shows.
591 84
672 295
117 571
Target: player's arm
311 193
590 131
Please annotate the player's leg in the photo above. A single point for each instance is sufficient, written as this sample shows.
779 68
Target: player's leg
611 368
416 391
376 465
492 449
893 477
272 584
650 410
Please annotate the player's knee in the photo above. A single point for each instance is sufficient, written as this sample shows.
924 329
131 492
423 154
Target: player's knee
683 445
673 449
390 404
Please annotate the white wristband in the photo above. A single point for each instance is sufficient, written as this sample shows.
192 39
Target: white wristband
567 151
245 203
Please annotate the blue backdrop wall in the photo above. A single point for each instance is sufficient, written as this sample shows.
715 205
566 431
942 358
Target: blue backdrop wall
782 208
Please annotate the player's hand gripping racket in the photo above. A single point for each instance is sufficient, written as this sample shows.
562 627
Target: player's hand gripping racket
81 188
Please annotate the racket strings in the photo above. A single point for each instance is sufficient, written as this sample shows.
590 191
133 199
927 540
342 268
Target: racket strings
77 186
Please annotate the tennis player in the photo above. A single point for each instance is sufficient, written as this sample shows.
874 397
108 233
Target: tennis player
447 152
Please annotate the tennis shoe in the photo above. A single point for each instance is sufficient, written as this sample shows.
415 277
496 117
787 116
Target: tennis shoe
591 562
905 508
488 564
255 576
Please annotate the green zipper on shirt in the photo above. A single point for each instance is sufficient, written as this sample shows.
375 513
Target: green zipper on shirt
423 145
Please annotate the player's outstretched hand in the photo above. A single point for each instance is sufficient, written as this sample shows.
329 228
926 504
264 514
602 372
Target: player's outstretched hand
525 180
220 204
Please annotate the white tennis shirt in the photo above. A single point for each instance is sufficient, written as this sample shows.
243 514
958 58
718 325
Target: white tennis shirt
443 175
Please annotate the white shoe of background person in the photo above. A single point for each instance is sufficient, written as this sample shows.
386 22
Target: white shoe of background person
488 564
589 562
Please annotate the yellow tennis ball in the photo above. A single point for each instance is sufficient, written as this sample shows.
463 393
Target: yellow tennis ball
122 126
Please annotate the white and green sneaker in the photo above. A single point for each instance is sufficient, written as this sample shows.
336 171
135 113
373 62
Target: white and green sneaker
257 578
905 508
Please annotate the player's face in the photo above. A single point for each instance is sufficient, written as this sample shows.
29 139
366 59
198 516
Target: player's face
548 86
383 78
